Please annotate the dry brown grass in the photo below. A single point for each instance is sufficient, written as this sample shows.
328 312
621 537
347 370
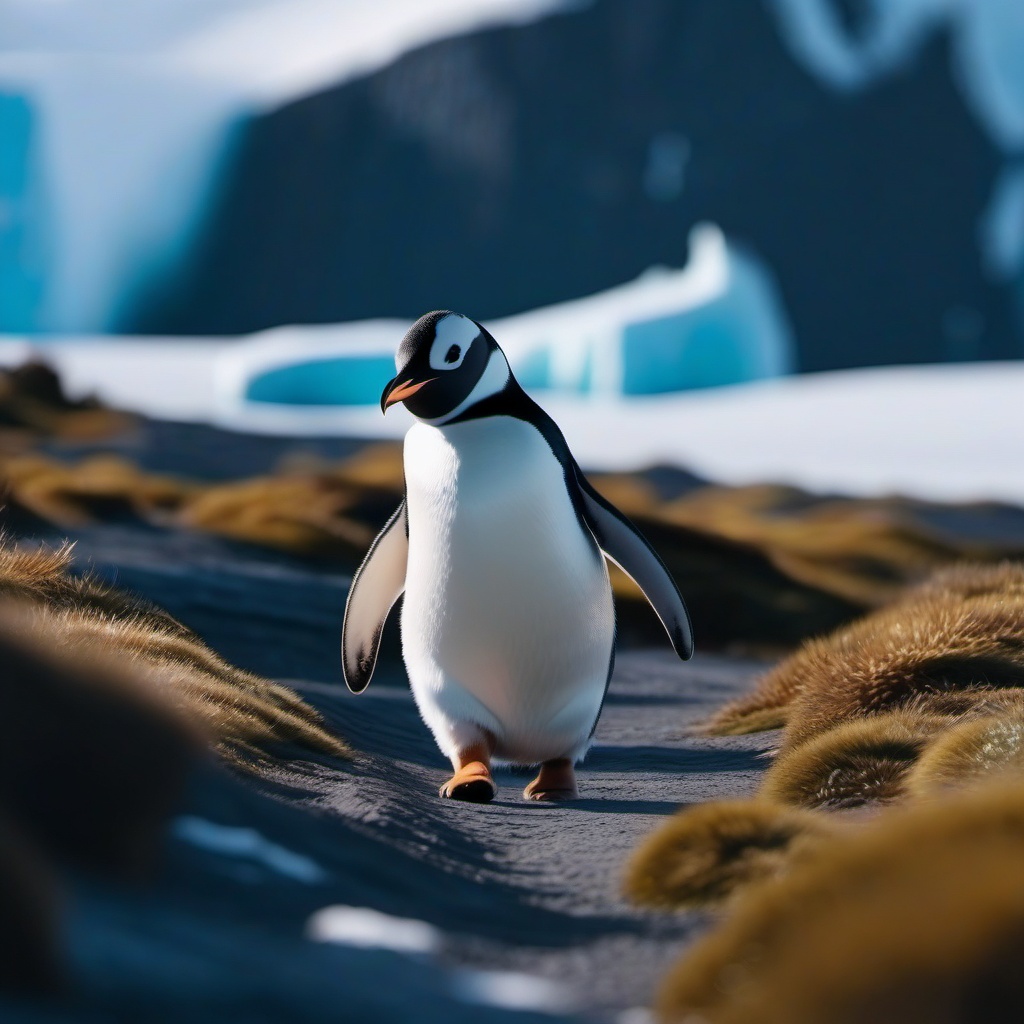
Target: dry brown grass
299 514
858 762
865 551
98 486
703 855
973 751
95 758
33 404
761 567
95 752
246 716
962 629
915 919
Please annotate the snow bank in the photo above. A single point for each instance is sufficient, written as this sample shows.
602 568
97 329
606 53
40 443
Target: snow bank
947 432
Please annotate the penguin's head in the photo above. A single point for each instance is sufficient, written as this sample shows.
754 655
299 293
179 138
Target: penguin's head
446 363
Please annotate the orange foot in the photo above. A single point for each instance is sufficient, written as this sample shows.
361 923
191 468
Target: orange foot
555 781
472 783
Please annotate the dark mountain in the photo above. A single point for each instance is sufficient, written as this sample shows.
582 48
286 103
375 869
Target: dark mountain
524 165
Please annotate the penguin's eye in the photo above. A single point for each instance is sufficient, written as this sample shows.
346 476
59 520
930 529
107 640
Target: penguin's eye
452 355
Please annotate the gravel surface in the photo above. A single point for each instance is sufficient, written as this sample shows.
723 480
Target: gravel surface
220 931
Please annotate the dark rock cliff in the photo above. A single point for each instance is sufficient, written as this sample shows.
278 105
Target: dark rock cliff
519 166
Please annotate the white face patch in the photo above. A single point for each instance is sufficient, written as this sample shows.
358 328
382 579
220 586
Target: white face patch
452 337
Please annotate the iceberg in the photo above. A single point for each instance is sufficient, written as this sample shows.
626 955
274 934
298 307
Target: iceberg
717 321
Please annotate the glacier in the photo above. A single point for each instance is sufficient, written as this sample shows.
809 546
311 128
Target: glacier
22 206
133 110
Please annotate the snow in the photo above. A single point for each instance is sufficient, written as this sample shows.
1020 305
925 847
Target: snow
512 990
250 845
950 432
370 929
365 928
135 105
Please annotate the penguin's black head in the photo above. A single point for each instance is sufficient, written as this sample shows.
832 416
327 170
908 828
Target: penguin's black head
445 363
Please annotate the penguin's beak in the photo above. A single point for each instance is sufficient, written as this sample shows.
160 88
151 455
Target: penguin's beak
395 392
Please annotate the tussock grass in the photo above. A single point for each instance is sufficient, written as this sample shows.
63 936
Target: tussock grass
107 703
857 762
33 405
703 855
962 629
245 716
915 919
969 753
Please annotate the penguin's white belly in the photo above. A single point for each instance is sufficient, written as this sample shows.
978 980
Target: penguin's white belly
507 622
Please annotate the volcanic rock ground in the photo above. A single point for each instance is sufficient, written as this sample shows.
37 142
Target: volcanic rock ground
218 930
512 886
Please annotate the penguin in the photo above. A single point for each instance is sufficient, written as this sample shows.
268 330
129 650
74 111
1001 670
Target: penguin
499 547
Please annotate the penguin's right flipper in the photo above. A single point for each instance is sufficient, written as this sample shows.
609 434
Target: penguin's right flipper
376 586
627 547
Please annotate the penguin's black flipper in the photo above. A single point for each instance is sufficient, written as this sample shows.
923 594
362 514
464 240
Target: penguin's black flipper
376 586
623 543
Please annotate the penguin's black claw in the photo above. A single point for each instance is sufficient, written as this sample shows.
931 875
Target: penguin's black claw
474 791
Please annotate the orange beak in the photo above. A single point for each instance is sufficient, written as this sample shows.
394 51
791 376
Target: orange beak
393 394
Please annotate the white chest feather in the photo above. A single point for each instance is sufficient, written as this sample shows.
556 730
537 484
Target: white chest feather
507 600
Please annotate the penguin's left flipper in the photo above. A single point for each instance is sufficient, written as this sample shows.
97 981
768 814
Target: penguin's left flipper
620 540
376 586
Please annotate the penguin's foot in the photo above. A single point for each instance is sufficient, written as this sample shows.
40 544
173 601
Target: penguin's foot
472 783
555 781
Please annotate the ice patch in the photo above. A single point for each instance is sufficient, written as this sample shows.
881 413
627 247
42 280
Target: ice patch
665 173
22 215
639 1015
988 40
511 990
247 843
370 929
893 30
1002 227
